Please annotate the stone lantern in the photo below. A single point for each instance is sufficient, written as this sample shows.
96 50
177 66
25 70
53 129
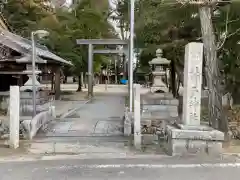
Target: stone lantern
28 86
159 73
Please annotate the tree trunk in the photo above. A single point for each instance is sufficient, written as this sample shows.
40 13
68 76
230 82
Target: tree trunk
85 80
213 76
173 79
57 82
52 82
79 84
82 78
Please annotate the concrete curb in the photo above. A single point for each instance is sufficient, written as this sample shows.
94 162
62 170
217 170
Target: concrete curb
232 154
82 156
96 155
69 113
88 156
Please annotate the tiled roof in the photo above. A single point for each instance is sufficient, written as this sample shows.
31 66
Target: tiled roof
26 44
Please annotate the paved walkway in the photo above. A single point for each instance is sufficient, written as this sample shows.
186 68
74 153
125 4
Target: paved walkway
95 127
102 116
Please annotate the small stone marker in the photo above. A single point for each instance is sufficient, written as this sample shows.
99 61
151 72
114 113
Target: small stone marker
137 117
14 116
192 84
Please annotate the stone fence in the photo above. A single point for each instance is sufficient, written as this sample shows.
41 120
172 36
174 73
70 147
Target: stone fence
43 102
29 126
152 112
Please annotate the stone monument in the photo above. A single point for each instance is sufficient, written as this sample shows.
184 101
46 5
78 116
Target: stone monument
190 137
160 72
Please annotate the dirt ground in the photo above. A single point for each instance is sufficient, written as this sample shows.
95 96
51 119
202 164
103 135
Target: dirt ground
74 96
5 150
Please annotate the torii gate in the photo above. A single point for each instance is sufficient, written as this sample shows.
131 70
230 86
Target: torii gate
91 52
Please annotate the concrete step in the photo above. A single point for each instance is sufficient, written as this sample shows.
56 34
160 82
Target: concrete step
157 96
159 115
71 134
160 101
76 148
83 139
160 108
79 145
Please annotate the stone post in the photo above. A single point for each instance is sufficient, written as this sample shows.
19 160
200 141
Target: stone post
192 84
137 117
14 116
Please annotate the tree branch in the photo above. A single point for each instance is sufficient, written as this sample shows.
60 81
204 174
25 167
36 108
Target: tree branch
233 20
237 31
220 44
